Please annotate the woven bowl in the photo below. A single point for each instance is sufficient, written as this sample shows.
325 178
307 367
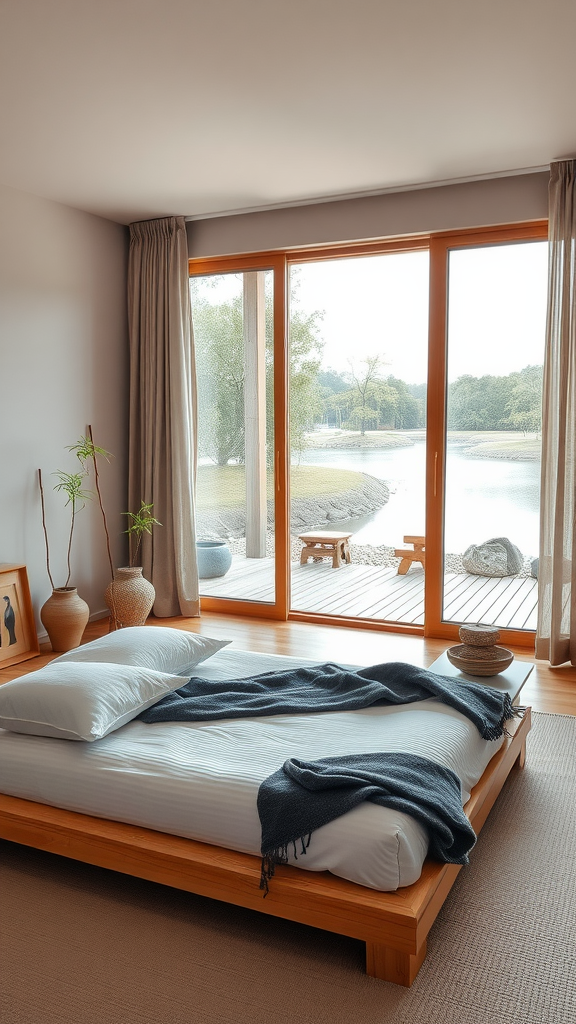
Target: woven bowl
480 667
479 636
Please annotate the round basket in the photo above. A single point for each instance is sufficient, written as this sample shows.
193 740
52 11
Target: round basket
479 636
480 666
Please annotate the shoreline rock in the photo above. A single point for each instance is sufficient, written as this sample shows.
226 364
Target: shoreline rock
370 495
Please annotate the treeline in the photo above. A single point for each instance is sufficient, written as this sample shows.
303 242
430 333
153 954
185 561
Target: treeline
371 402
513 402
363 398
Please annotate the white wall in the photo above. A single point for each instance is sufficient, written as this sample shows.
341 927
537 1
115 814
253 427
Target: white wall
506 200
63 365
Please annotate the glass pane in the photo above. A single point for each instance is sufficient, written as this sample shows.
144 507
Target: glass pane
233 338
496 326
358 370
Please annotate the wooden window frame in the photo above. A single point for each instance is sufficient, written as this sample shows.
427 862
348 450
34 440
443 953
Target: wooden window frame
279 261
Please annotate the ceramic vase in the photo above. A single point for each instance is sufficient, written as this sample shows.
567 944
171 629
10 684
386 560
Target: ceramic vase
129 597
214 558
64 616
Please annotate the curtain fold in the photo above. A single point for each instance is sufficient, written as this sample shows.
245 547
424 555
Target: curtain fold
556 631
162 439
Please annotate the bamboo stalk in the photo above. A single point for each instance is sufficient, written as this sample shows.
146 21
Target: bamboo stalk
113 616
44 528
69 552
97 483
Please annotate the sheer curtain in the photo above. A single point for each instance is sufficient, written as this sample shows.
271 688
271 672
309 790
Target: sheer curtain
162 442
556 633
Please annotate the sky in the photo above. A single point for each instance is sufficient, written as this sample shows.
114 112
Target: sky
378 305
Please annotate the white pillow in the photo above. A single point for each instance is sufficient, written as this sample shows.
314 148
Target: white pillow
160 647
81 701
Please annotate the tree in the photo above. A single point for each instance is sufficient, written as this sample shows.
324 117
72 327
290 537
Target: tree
365 385
524 406
219 345
477 403
337 407
388 403
305 350
496 403
419 392
331 382
408 410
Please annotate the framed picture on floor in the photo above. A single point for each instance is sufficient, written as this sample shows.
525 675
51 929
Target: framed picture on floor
18 637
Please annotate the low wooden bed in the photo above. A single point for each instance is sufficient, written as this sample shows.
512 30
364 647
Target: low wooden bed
394 926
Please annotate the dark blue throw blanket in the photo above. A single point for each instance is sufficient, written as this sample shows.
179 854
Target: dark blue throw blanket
329 687
304 795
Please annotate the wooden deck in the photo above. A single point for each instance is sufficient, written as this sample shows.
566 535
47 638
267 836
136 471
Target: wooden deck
373 592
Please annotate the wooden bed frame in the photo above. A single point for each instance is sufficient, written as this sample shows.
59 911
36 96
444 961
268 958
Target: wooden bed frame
394 926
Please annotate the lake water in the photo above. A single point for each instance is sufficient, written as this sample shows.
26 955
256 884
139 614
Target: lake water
485 497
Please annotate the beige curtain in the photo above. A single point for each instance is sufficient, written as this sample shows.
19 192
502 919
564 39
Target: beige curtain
556 634
162 445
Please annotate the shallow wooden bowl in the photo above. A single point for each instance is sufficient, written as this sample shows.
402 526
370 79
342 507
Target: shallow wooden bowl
477 666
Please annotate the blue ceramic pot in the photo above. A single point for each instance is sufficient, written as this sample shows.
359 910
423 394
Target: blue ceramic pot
214 558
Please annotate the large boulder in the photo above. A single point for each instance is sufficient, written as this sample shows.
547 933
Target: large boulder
496 557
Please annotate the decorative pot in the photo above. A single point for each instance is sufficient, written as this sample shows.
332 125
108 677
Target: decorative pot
64 616
129 597
214 558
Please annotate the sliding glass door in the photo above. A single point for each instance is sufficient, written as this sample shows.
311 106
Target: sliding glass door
232 315
369 431
496 324
488 320
358 337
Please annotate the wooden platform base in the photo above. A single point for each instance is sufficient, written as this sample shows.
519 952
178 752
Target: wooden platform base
394 925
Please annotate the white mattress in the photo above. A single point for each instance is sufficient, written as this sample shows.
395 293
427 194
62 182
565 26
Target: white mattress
200 780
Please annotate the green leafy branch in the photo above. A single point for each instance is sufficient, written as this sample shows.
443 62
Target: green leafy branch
86 451
71 485
139 523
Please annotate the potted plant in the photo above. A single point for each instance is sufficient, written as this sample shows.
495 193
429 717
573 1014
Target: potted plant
65 614
130 596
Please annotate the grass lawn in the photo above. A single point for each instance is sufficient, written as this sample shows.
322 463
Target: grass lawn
516 447
222 487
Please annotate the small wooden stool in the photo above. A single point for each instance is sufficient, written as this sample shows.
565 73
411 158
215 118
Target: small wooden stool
407 556
323 544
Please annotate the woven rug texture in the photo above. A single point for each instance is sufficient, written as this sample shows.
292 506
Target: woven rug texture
81 945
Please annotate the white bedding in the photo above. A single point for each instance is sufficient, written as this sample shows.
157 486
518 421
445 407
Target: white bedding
200 780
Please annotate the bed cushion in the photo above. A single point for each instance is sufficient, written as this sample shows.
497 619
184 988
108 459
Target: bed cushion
158 647
80 701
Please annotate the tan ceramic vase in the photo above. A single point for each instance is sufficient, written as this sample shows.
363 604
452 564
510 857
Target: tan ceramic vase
64 616
129 597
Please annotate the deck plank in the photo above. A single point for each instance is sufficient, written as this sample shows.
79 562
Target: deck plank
376 592
494 593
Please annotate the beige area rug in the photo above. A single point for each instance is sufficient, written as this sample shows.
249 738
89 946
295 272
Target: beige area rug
87 946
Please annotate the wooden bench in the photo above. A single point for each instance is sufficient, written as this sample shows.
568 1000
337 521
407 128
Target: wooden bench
408 556
325 544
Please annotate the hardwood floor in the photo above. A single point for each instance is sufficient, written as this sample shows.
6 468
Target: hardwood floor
548 689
